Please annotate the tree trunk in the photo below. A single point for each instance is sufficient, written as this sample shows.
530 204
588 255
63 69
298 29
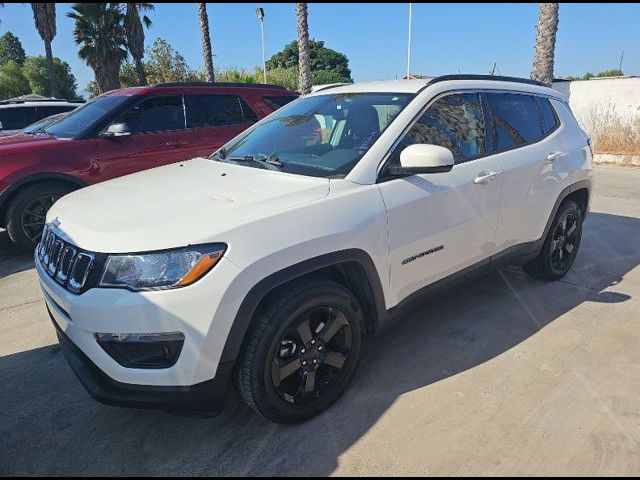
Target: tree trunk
304 64
206 42
142 76
107 76
545 43
50 70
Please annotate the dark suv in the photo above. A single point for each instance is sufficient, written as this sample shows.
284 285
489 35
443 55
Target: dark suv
117 133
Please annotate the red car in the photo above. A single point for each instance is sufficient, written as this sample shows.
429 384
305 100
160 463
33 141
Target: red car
117 133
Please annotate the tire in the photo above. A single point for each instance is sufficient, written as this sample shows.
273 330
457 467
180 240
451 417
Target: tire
275 340
36 199
559 250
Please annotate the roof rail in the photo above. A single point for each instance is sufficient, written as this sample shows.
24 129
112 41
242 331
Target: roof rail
320 88
495 78
219 84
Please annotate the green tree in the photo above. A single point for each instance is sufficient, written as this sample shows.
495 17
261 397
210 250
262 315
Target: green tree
321 58
100 33
11 49
35 70
44 14
12 81
164 64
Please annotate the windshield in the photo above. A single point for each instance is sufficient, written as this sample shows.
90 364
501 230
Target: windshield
85 117
323 136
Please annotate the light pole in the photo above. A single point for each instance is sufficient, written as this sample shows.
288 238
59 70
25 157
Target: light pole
260 15
409 45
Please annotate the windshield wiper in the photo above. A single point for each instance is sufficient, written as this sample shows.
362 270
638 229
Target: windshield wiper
267 160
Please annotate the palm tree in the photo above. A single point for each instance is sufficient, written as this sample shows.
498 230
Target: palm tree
135 34
304 64
545 43
100 33
206 41
44 15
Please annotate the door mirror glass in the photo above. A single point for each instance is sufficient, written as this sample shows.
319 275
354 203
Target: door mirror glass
117 130
423 158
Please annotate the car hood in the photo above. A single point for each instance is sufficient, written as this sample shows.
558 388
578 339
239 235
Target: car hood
177 205
9 142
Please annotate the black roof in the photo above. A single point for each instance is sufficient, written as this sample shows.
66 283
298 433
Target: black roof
220 84
495 78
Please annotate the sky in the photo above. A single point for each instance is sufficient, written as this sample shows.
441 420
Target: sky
446 38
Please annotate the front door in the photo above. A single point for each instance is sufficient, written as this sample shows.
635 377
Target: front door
157 137
442 223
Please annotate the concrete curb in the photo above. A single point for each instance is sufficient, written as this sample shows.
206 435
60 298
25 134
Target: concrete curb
614 159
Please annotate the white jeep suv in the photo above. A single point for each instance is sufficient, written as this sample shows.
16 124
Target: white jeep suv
269 262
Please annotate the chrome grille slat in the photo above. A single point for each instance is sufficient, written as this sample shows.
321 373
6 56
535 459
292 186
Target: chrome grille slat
65 263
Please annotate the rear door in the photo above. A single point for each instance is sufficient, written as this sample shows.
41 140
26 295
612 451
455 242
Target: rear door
441 223
523 140
214 119
158 137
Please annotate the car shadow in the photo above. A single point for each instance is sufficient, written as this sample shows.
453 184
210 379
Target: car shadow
12 259
51 425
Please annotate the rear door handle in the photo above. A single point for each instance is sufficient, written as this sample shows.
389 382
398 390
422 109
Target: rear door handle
554 156
485 177
175 144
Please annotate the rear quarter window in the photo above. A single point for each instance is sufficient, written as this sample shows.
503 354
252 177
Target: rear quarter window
547 115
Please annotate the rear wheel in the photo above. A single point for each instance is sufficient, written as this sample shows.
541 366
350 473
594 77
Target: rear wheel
302 351
561 246
28 210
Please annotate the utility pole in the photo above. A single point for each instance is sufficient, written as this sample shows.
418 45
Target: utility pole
260 15
409 44
621 57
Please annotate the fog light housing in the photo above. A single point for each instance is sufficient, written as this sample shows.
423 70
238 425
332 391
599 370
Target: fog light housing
142 350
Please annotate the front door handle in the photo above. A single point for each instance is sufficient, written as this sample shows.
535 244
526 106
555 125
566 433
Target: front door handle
486 177
554 156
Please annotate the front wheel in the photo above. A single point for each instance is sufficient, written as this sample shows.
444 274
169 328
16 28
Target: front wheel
561 246
28 210
302 351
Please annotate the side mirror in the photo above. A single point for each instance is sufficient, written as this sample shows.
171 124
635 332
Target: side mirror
116 130
423 158
1 127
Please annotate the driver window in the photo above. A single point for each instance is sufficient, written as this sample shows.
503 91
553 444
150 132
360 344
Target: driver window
454 122
155 114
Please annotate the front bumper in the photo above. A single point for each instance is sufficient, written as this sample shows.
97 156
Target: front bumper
207 396
202 312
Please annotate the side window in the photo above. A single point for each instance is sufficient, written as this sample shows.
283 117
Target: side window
454 122
13 118
218 110
549 117
155 114
515 119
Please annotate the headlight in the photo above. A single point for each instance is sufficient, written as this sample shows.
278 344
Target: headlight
165 269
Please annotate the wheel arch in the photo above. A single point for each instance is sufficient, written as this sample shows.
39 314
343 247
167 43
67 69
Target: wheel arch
7 195
352 268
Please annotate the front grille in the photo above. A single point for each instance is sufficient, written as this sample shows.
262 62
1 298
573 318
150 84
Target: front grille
68 265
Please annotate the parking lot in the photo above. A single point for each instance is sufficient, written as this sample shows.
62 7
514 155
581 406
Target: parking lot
505 375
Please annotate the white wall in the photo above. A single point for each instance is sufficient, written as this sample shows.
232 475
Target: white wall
601 102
